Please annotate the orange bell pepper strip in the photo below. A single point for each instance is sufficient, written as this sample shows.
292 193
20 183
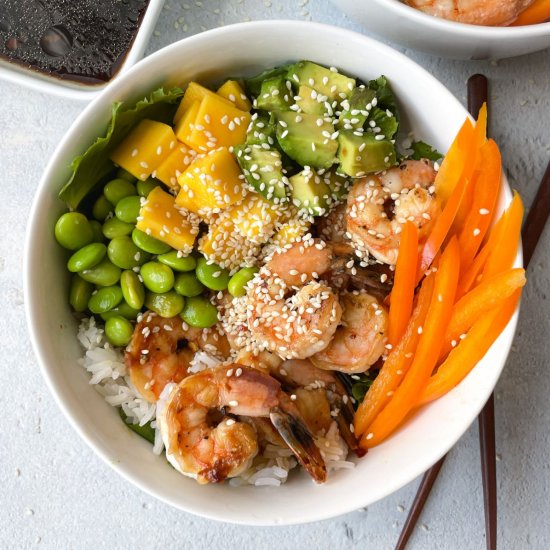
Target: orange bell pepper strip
484 199
478 301
404 283
427 352
397 363
470 350
537 12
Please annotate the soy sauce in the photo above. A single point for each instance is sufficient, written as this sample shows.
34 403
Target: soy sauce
80 40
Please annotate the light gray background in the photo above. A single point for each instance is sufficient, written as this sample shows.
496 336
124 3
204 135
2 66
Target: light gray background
55 493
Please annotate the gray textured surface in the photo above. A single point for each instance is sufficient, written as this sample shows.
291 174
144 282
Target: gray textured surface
57 493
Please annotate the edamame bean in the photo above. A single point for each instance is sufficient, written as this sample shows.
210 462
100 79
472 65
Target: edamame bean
148 243
168 304
132 289
104 273
105 299
86 257
188 285
212 275
98 231
157 277
73 231
101 208
80 293
145 187
238 282
199 312
114 228
117 189
122 310
125 175
118 330
178 263
127 209
125 254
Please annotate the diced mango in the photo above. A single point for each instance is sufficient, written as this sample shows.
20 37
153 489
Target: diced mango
174 165
160 218
144 149
185 125
232 90
194 92
218 125
218 232
290 231
212 182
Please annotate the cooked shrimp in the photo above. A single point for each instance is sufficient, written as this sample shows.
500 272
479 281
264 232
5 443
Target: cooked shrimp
161 349
474 12
360 339
379 206
205 442
289 311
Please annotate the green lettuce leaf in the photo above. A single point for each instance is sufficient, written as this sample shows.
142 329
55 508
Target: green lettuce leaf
388 124
146 431
384 95
90 168
422 150
361 385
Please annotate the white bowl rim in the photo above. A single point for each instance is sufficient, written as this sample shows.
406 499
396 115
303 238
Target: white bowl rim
465 29
34 330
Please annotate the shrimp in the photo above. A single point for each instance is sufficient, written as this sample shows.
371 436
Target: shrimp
161 350
203 439
379 206
289 311
474 12
360 339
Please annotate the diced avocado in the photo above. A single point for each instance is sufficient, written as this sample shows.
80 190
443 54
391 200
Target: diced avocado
307 139
338 184
355 111
333 85
261 131
254 84
262 169
274 95
309 101
310 192
361 154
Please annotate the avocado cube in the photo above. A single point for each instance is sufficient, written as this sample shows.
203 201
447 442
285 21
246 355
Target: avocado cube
360 154
274 95
253 84
308 101
261 131
310 192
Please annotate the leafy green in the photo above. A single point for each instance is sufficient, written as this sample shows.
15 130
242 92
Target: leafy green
361 386
388 124
145 431
384 95
422 150
90 168
254 83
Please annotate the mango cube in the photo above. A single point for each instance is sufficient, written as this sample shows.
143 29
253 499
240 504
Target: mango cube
255 217
194 92
290 231
185 125
144 148
218 124
211 183
174 165
160 218
232 90
218 233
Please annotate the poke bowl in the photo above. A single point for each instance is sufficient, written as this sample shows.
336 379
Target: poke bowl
411 28
58 336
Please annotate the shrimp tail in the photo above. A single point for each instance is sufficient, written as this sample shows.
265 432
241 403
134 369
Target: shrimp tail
300 441
345 423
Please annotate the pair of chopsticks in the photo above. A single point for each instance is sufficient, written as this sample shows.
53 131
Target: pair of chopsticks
531 233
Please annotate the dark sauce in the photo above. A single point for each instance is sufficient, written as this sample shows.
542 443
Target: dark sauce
80 40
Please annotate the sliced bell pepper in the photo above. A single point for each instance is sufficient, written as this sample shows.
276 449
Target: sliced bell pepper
537 12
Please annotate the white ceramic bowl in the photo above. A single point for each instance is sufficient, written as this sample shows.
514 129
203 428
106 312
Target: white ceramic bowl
395 21
76 90
242 50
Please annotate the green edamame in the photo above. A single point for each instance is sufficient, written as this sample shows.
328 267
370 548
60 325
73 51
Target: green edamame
199 312
118 330
98 231
114 228
101 208
212 275
105 299
127 209
145 187
157 277
188 285
238 282
86 257
132 289
125 175
117 189
73 231
125 254
122 310
148 243
178 263
168 304
80 293
104 273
